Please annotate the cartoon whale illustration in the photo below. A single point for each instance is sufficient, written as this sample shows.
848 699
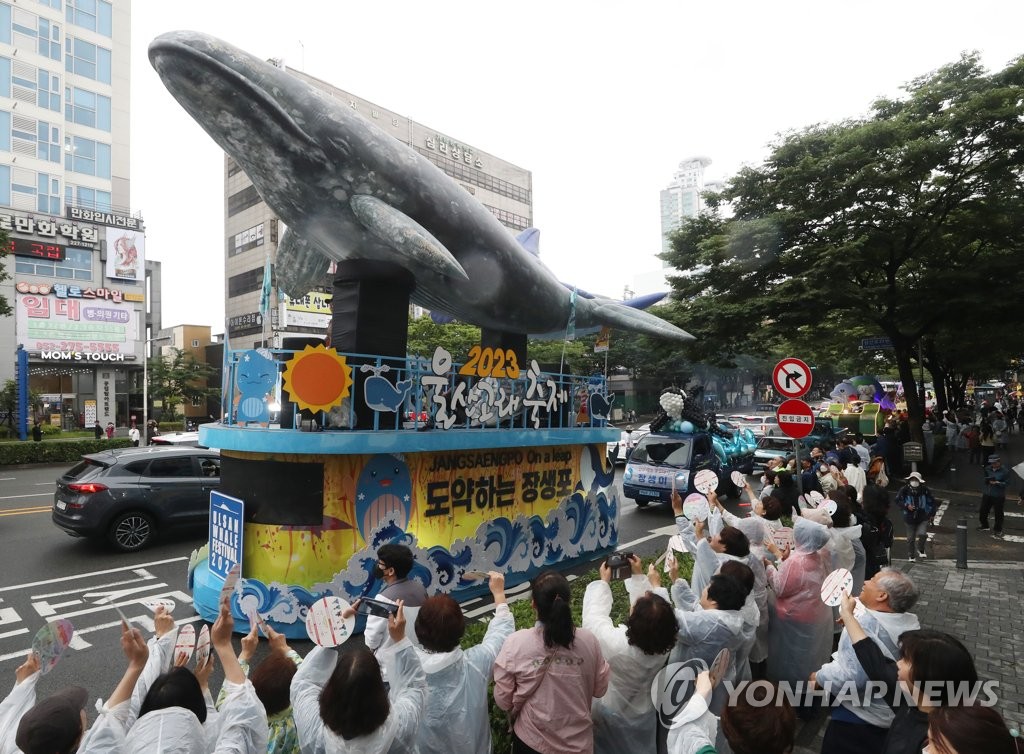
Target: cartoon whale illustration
347 190
600 406
381 395
383 492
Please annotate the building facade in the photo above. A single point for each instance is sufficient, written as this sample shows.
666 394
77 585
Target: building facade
194 341
75 250
252 231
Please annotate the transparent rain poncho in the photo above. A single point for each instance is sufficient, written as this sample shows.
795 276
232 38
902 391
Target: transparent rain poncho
800 633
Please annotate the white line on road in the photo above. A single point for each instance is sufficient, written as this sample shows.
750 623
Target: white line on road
32 494
90 574
86 588
44 484
7 479
664 531
15 632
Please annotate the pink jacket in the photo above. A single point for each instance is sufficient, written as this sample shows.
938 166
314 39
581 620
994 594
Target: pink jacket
552 705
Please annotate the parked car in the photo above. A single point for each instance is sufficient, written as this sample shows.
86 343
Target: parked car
628 438
770 448
127 495
190 439
758 425
824 435
766 408
663 459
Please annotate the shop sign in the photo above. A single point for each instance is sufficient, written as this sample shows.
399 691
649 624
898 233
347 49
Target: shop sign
104 218
61 290
79 356
49 227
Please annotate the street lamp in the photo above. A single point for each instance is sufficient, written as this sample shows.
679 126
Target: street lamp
145 386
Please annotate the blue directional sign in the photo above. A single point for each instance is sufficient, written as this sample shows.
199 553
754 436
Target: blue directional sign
227 515
875 344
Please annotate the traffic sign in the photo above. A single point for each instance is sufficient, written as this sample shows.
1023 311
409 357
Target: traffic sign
792 378
796 419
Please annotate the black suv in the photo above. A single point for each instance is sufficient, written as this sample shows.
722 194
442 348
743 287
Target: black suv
127 495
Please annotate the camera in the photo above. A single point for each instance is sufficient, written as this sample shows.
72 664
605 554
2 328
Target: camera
618 563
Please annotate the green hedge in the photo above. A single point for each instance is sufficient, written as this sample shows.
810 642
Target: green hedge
62 451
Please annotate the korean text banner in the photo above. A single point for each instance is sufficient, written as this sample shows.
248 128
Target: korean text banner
43 323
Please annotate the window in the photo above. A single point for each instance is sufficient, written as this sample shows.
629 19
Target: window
5 23
94 15
49 39
247 197
87 108
197 400
5 185
48 145
82 196
209 465
48 194
77 265
86 156
5 77
87 59
195 344
246 282
171 467
5 131
55 4
48 94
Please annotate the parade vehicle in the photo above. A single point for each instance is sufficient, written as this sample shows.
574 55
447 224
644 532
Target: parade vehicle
127 495
663 460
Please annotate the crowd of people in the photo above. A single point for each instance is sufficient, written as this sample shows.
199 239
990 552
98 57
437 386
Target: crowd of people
893 686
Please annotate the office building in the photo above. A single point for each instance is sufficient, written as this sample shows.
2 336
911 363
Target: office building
76 250
252 231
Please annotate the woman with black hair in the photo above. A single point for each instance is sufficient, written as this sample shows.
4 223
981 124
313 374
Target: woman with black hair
340 701
546 676
970 728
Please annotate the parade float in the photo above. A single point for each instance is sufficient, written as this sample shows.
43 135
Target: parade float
860 405
491 464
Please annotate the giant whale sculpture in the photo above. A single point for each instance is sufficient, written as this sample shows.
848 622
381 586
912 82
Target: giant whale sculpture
348 191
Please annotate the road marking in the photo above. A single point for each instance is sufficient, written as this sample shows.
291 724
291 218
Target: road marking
31 494
1011 538
85 588
26 511
44 484
15 632
62 579
7 479
665 531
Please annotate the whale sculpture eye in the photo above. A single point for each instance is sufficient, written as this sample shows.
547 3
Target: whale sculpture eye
373 474
397 472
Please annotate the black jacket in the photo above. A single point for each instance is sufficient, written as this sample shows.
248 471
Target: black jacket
909 730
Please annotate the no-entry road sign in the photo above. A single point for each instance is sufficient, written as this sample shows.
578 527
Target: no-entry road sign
792 378
796 418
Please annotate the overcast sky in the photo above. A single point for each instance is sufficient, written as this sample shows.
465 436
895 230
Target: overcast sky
600 100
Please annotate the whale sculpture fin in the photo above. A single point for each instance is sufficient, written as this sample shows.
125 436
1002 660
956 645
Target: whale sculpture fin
416 249
616 314
529 239
300 266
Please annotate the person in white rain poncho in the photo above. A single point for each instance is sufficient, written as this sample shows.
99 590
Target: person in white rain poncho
636 651
341 704
164 726
861 725
757 529
455 717
800 633
726 543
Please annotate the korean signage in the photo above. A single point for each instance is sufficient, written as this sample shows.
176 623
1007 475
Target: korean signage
90 412
126 254
453 149
104 218
227 516
312 311
244 324
72 325
62 290
105 395
50 228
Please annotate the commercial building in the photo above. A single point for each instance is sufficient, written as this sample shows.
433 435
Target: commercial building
76 251
252 230
193 341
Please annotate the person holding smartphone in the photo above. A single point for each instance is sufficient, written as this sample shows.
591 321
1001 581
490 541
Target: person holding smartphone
394 563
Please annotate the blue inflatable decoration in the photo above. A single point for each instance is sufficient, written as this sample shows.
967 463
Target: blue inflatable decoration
687 427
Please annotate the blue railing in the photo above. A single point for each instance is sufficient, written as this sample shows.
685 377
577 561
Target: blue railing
432 393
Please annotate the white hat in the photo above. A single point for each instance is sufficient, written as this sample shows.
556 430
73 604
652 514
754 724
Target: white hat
915 475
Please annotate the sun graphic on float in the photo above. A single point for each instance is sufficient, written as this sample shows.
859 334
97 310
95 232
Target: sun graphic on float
317 379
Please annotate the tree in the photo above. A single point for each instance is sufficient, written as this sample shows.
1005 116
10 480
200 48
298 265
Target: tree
179 376
901 222
425 335
9 403
5 305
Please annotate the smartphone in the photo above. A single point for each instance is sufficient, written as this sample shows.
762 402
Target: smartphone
369 606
